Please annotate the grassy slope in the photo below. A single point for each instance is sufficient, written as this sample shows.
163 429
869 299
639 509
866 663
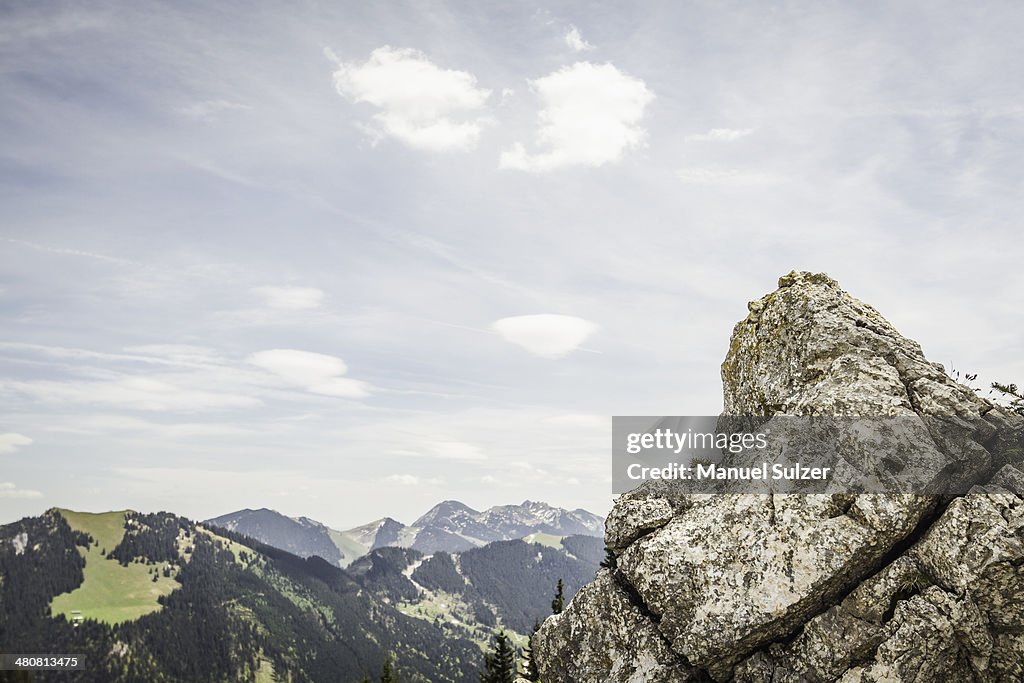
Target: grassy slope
110 593
549 540
265 672
350 548
235 547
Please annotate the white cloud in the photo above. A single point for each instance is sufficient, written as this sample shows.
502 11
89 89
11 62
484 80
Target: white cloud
9 490
292 298
721 135
591 116
317 372
546 335
575 40
300 367
10 442
421 104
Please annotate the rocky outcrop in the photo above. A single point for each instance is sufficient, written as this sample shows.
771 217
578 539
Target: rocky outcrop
852 587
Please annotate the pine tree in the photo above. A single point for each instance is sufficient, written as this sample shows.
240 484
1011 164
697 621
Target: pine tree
386 674
559 602
609 561
500 663
1013 397
530 671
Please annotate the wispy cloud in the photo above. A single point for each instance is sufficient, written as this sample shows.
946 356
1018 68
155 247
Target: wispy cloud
183 354
43 27
581 421
113 424
176 355
9 490
11 441
721 135
292 298
403 479
209 110
413 480
66 251
723 176
575 40
590 117
455 450
420 103
148 393
319 373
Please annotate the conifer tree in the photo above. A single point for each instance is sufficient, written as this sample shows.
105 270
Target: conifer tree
386 674
530 671
609 561
500 662
1013 397
559 602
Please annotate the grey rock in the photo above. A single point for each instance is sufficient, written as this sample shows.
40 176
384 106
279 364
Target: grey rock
627 647
810 348
775 587
635 517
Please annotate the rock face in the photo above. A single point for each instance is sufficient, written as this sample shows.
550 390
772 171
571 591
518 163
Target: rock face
850 587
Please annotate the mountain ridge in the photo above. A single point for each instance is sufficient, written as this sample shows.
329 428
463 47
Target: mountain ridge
449 526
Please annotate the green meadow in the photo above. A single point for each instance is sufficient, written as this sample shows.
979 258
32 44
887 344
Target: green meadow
110 593
347 546
550 540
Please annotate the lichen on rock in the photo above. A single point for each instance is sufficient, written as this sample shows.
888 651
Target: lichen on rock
772 587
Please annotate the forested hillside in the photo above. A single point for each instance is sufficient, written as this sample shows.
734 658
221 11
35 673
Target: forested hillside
505 584
238 609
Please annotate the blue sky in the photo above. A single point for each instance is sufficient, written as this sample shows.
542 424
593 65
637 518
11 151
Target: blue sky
350 259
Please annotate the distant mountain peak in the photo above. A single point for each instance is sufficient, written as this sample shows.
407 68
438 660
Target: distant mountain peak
302 536
450 526
449 506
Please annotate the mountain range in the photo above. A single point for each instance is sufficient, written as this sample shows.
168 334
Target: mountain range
449 527
158 597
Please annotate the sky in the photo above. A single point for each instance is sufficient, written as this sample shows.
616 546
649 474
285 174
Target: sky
350 259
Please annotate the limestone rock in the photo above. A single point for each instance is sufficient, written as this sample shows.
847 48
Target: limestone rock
810 348
634 518
852 587
626 647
